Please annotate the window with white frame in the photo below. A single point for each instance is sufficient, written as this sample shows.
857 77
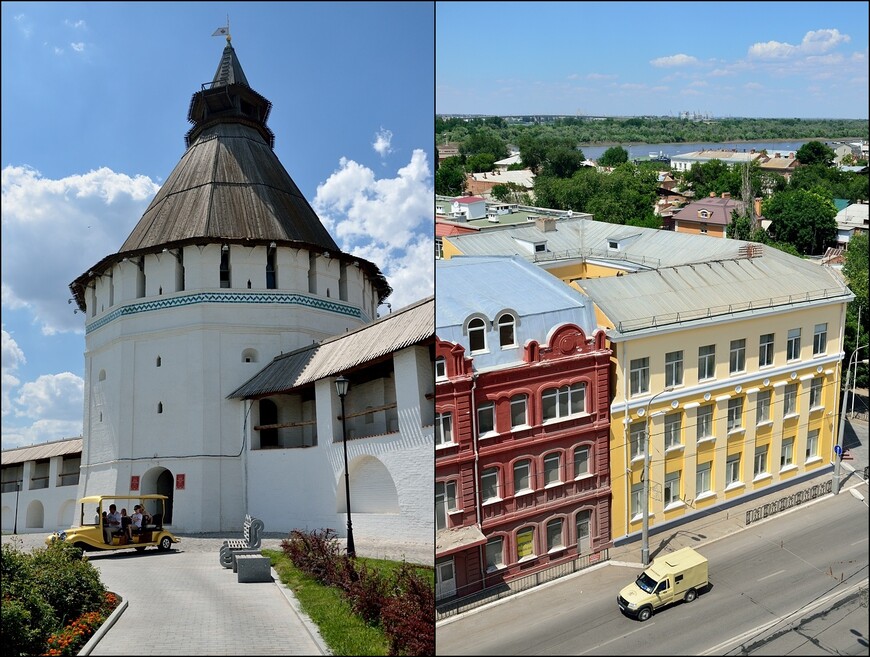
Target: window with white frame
506 336
820 339
735 413
583 523
440 368
762 407
786 456
812 444
673 429
439 248
443 428
706 362
737 358
552 469
581 461
525 543
563 402
639 376
793 346
732 469
519 415
673 369
704 422
703 483
554 534
495 553
485 418
445 502
489 488
522 476
765 350
789 404
476 335
760 466
636 499
637 434
672 488
816 392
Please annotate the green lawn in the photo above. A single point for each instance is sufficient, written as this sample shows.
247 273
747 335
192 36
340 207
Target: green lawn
343 631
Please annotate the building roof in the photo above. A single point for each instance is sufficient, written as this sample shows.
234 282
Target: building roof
468 199
413 324
523 177
448 541
729 157
42 451
229 185
756 281
491 284
719 210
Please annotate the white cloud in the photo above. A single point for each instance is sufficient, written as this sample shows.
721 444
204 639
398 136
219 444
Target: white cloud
12 357
600 76
67 225
674 60
41 431
53 396
78 47
814 42
79 24
382 142
385 221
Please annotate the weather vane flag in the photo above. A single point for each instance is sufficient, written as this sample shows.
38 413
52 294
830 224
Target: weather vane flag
221 31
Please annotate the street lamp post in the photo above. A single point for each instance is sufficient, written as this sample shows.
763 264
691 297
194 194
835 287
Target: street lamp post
835 483
644 543
15 522
341 386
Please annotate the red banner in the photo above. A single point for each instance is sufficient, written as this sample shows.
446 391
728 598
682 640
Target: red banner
134 483
179 482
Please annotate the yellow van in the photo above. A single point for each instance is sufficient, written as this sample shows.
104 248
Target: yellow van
680 575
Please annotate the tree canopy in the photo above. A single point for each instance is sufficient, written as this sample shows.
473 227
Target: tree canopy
450 177
815 152
803 219
613 157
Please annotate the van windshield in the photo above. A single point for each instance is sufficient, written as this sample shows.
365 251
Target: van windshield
646 583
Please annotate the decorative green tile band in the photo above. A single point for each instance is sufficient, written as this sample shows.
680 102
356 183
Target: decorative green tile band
225 297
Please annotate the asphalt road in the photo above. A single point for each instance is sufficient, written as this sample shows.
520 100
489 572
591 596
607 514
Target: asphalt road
789 585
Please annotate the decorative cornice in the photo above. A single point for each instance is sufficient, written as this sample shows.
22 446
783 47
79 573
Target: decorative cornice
292 299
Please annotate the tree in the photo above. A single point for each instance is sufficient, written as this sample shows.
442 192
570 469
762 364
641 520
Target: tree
450 177
803 219
480 162
562 162
613 157
740 227
484 140
815 152
509 191
855 270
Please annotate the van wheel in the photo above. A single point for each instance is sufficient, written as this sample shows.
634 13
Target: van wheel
165 544
691 594
644 614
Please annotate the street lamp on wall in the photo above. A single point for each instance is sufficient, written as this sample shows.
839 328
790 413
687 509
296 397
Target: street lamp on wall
644 543
341 386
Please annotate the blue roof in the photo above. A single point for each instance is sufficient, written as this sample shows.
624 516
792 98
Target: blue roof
841 203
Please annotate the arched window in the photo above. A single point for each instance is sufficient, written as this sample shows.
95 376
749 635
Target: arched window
249 356
102 376
564 402
440 368
159 407
506 333
476 335
159 361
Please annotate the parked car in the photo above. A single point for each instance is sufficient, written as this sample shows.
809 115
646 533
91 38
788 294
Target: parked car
93 533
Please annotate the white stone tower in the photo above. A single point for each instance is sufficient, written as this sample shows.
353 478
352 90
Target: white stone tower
228 268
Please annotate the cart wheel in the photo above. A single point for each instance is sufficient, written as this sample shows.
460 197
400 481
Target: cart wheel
165 544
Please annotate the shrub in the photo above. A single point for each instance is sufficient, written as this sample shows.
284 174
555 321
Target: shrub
408 615
68 583
366 590
315 553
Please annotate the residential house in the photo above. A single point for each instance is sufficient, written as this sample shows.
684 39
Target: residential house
851 220
684 161
730 350
706 216
522 423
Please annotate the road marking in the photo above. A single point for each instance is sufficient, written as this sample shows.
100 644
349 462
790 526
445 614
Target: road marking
778 572
645 625
861 541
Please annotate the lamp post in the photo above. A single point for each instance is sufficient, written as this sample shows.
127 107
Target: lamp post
15 522
835 483
644 543
341 386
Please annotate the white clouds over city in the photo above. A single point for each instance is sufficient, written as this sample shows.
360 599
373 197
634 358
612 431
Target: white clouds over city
382 142
387 221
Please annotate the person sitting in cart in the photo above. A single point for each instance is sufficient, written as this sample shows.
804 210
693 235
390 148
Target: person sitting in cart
113 523
136 519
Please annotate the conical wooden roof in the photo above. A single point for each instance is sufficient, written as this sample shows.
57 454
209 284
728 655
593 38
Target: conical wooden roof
229 185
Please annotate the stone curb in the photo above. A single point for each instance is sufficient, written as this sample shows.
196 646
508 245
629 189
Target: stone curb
309 625
105 627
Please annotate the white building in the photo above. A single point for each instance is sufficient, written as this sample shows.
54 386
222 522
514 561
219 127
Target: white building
229 268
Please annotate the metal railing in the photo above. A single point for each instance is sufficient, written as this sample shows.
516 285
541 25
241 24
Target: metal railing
456 606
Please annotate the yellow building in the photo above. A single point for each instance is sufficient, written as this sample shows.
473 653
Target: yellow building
728 353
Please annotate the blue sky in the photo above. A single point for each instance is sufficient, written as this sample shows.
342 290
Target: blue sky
758 59
94 112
